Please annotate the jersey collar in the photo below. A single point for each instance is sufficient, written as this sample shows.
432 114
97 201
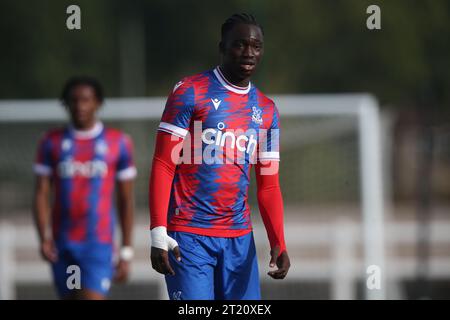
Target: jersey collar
87 134
223 81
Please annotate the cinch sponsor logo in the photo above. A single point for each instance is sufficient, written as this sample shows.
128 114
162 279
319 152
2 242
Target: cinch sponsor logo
244 143
88 169
219 145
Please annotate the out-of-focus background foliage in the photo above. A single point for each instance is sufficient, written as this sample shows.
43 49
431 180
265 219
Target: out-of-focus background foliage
311 46
140 48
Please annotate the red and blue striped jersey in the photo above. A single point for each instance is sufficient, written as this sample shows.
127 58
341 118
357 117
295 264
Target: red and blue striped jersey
226 129
83 166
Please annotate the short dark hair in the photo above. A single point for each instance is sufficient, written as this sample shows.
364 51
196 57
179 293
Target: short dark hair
238 18
81 80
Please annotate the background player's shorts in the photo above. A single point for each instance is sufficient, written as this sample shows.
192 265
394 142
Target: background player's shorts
214 268
96 267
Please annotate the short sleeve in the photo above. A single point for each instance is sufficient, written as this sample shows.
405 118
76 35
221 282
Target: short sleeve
179 109
126 168
269 145
43 164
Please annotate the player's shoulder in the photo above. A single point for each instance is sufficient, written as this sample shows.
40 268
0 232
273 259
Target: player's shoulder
114 134
264 101
192 82
52 134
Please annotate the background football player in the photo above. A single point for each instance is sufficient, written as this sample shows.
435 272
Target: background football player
82 164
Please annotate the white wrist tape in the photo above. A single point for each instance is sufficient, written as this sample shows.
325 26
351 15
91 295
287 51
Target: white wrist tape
161 240
126 253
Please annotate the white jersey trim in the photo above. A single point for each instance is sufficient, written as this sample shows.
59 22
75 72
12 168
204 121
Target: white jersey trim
172 129
42 169
127 174
87 134
223 81
269 155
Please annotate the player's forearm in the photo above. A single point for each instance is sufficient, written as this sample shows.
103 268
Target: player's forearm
270 204
160 187
41 214
126 212
161 178
127 226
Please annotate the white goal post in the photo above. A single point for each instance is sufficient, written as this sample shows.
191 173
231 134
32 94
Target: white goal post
363 107
366 109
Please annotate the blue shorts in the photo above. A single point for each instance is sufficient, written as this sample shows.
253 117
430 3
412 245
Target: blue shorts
214 268
95 263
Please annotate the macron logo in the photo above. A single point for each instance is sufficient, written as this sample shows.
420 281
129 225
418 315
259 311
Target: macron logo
216 102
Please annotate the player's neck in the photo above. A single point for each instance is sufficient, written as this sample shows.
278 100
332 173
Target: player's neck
232 78
87 132
85 126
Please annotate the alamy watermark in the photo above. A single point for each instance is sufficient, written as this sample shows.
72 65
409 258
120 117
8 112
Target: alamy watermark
373 281
373 22
74 279
73 21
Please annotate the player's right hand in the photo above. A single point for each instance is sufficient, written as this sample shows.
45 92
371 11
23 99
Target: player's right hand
48 250
159 256
281 261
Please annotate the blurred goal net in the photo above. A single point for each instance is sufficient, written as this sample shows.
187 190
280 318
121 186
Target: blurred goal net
330 168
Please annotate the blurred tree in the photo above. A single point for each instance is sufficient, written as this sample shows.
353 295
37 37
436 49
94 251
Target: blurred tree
311 46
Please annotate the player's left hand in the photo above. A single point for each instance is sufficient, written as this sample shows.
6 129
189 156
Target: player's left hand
282 262
122 271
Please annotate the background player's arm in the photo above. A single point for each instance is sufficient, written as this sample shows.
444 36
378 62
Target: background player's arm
125 205
41 200
41 213
270 204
